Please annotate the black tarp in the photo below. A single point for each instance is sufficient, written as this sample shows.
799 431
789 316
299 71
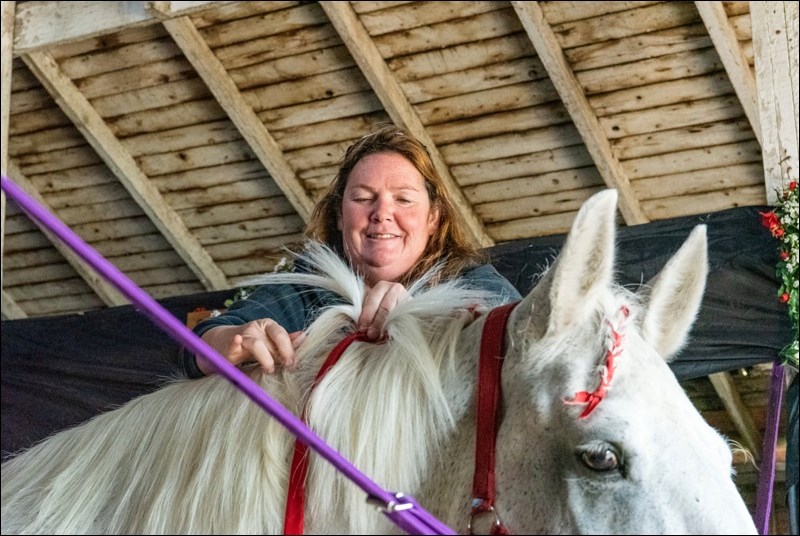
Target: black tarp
59 371
740 324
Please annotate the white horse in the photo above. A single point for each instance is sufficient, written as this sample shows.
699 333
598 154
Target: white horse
196 456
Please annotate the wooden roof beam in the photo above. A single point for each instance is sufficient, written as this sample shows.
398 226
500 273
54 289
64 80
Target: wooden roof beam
736 65
775 45
11 310
106 291
549 51
119 160
43 25
727 392
262 143
397 105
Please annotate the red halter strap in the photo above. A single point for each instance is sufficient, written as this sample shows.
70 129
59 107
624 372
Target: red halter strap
295 502
489 368
483 486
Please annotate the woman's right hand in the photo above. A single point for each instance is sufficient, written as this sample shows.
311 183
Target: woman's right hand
264 341
379 301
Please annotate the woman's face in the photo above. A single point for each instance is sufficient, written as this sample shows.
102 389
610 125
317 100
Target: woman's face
386 218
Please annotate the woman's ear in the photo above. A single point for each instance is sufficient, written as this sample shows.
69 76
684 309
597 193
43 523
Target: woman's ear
433 219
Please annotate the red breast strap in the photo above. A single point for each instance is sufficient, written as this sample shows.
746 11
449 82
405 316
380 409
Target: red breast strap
295 501
489 392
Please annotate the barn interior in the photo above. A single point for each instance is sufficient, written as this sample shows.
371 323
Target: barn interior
187 142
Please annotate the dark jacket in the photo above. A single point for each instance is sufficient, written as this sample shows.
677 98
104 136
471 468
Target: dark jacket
295 307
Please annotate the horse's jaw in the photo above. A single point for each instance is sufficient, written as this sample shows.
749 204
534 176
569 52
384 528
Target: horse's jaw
578 502
609 511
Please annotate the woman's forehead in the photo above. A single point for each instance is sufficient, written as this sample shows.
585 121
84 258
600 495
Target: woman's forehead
385 170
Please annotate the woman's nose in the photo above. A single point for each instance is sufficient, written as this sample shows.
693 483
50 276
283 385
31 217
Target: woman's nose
382 210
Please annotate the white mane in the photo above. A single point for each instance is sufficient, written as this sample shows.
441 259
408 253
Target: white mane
395 385
190 445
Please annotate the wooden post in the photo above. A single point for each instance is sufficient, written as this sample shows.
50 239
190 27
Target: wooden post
775 49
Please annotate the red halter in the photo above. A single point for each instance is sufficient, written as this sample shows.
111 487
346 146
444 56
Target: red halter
489 392
295 502
483 487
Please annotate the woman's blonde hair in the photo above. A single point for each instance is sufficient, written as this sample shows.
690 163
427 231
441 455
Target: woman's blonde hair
450 244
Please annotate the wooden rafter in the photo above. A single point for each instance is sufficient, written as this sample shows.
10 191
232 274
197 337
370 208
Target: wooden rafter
727 392
775 46
107 293
549 51
11 310
119 160
45 25
262 143
397 105
736 65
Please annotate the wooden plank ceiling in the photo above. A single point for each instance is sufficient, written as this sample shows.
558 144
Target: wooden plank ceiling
188 141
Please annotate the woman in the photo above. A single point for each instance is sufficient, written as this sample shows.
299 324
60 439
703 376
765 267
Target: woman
388 215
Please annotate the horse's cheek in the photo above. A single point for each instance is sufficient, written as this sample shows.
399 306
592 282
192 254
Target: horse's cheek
530 462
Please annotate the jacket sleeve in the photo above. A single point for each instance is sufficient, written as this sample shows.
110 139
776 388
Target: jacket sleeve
486 277
282 303
288 305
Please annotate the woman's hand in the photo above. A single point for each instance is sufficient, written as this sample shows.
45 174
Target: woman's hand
379 300
264 341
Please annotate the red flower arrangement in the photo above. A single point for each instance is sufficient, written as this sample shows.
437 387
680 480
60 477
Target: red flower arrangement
782 223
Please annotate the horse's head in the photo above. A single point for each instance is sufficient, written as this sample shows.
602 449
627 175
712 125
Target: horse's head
592 413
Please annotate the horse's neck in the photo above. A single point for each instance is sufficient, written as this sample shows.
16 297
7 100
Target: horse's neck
447 490
383 407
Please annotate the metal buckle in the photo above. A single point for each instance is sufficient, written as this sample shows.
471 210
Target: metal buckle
391 506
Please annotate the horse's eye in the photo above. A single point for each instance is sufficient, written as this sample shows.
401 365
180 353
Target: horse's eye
601 458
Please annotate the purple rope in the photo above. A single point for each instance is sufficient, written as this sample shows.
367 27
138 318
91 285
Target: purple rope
766 476
414 521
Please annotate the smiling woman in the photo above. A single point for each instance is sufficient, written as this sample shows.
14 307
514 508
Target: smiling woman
388 215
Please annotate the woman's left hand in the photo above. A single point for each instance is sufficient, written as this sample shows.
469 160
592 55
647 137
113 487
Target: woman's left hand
378 302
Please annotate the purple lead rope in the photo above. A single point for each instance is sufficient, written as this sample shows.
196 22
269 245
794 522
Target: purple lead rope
415 520
766 476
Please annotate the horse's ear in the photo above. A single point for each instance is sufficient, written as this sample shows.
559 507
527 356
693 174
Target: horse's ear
674 296
585 265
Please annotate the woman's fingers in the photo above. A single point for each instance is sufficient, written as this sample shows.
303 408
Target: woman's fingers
379 301
281 343
298 338
259 350
268 343
263 341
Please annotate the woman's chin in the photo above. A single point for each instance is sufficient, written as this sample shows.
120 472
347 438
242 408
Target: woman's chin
375 273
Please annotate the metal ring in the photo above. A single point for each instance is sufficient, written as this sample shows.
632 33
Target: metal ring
491 509
391 506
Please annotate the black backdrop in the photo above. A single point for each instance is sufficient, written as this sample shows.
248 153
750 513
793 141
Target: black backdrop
59 371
